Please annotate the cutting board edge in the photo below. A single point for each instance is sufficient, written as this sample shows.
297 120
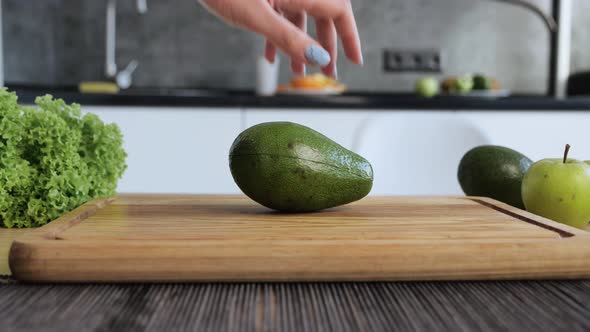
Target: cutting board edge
51 230
317 262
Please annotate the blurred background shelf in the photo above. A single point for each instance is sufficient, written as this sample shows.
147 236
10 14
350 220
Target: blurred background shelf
211 97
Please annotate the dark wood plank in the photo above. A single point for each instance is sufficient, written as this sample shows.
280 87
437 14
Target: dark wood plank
404 306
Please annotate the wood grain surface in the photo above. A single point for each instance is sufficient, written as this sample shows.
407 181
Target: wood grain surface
230 238
298 307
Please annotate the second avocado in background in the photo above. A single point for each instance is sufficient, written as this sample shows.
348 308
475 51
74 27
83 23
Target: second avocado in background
494 171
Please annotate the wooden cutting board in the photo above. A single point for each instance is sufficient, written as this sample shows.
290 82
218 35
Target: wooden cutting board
230 238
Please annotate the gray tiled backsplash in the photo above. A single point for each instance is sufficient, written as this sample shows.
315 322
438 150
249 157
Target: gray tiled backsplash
179 44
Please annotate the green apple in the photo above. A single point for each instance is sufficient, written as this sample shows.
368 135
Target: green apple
464 84
427 87
559 189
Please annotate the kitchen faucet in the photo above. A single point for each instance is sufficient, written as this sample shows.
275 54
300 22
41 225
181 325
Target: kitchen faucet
123 77
549 20
559 26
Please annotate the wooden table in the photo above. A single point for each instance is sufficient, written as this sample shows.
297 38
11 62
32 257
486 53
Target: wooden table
425 306
445 306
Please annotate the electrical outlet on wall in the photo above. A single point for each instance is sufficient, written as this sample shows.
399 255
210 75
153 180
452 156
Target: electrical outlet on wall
408 60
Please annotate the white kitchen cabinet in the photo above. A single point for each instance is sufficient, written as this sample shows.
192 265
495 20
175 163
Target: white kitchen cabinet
536 134
175 150
184 150
339 125
417 153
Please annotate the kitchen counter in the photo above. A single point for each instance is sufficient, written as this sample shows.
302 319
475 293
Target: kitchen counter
228 99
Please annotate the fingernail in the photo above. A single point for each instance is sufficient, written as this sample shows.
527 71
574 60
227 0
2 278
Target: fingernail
317 55
362 60
336 72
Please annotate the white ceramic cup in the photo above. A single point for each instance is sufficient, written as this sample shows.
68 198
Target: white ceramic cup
267 76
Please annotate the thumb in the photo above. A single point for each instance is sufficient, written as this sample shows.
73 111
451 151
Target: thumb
294 41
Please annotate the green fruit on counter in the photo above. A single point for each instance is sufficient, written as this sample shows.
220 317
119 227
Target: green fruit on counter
495 172
559 189
289 167
427 87
464 84
482 82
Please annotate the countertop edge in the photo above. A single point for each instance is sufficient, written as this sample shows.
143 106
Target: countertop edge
364 101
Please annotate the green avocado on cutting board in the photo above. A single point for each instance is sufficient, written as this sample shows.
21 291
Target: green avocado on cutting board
289 167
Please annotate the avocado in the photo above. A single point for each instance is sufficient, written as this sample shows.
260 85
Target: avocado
495 172
292 168
482 82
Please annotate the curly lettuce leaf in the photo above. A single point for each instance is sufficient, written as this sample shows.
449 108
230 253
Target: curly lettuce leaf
53 159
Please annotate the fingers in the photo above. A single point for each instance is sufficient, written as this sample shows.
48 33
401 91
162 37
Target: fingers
291 39
348 32
263 17
299 19
270 52
327 37
340 11
316 8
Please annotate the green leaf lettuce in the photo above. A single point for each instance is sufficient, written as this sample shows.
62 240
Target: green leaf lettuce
53 159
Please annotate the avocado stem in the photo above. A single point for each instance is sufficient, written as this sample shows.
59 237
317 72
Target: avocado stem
567 150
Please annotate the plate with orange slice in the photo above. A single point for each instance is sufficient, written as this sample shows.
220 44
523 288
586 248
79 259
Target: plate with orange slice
315 84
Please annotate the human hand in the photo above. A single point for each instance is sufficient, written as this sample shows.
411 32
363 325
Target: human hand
283 23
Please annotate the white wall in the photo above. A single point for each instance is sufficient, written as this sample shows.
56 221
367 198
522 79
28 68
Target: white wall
537 134
412 152
175 150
